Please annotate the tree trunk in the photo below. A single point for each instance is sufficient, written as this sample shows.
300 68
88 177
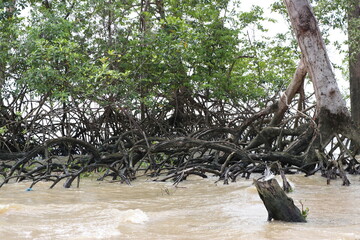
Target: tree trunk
293 88
279 206
9 14
332 114
281 106
354 59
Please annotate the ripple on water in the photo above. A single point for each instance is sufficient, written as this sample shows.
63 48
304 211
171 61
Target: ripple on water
8 207
197 209
69 221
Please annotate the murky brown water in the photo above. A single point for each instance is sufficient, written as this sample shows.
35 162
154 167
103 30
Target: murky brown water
200 209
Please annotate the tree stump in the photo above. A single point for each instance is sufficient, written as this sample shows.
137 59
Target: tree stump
277 203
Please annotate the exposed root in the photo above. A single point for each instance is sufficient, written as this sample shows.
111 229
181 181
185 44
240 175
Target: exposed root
227 153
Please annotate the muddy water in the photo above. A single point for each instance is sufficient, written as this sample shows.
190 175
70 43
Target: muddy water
198 209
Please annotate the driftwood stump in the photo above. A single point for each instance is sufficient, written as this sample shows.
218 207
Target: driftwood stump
279 206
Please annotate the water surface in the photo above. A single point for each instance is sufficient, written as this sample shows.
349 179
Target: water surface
197 209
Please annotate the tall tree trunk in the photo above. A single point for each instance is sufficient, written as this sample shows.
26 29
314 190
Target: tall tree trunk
109 24
332 114
354 58
9 13
144 8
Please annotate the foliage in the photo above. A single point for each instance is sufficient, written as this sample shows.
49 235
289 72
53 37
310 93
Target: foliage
80 48
334 15
304 211
3 130
127 76
144 63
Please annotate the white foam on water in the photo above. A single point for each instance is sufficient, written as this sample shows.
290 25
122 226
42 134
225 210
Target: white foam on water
7 207
69 221
89 222
4 207
134 216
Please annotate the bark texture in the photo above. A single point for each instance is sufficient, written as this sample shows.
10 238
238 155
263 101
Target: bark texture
312 46
354 62
332 114
279 206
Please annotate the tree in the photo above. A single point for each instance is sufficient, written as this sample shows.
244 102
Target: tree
332 115
11 68
7 21
178 87
354 58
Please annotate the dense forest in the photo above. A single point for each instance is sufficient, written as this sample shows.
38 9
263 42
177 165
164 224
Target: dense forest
168 88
